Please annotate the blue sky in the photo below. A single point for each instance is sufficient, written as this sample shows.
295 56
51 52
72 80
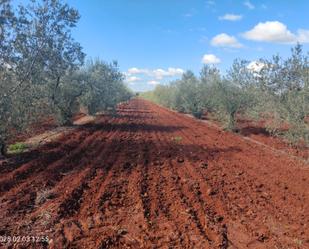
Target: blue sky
154 41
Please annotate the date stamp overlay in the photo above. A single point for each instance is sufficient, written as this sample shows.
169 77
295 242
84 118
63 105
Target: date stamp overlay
16 239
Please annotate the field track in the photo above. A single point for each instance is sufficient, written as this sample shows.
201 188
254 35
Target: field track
153 178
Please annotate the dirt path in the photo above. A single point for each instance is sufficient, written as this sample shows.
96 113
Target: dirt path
152 178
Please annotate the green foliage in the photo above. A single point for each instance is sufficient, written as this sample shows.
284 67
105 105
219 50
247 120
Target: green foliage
276 90
188 94
181 95
17 148
104 87
285 94
66 99
210 92
177 139
36 51
229 100
40 68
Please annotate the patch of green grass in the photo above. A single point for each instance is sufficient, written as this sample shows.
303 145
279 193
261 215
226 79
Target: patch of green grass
177 139
17 148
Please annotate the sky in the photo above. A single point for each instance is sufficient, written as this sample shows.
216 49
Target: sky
155 41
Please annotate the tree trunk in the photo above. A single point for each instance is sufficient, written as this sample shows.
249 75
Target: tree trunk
65 117
3 151
231 124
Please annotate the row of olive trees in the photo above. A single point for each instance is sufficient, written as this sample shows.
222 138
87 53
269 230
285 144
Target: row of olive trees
211 92
283 86
276 90
97 86
41 69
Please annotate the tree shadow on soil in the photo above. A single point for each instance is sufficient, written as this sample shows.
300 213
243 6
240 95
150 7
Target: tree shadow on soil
253 130
158 147
128 111
130 127
134 150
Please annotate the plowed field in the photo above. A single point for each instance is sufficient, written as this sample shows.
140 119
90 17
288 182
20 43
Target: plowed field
153 178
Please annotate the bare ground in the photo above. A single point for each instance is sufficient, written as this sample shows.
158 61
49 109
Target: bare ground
152 178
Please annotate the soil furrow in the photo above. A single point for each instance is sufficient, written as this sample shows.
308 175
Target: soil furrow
152 178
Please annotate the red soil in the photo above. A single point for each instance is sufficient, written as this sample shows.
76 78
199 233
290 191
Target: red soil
257 131
41 126
152 178
44 124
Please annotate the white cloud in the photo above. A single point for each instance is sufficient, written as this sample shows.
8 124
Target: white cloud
153 82
225 40
256 66
275 31
160 73
272 31
157 73
230 17
132 79
6 65
175 71
135 70
249 5
210 59
303 36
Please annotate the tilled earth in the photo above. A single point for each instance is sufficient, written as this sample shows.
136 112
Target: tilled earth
152 178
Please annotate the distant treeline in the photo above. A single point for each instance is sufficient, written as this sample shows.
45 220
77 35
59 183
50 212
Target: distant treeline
275 90
42 69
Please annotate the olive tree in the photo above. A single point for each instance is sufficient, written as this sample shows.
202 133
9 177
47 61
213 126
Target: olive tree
209 77
36 50
229 100
227 96
72 86
105 87
44 42
288 79
7 20
187 95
